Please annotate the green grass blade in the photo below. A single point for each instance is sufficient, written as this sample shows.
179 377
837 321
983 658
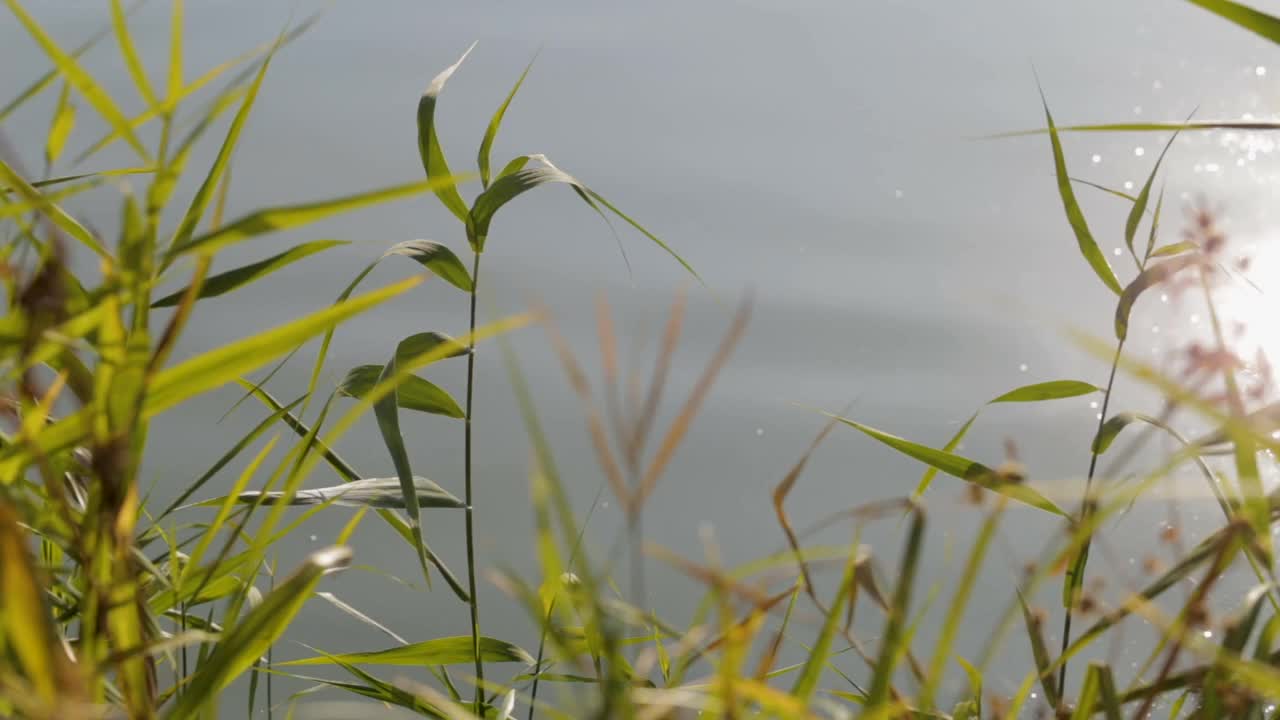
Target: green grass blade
199 203
491 132
1140 203
433 160
894 641
120 23
957 466
244 643
1052 390
437 651
81 80
370 492
1256 21
1040 651
231 280
811 674
413 394
929 474
174 84
64 121
286 217
1088 246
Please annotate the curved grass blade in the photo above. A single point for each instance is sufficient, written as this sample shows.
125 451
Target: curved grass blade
1174 249
1052 390
437 258
1075 216
957 466
372 492
286 217
1153 275
433 161
438 651
491 132
226 282
1140 203
1255 21
412 394
1110 191
70 69
244 643
120 24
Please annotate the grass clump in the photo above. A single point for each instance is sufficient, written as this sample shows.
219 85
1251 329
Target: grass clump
112 607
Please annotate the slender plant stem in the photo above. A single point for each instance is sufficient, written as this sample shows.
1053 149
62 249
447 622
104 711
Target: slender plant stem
1085 510
470 512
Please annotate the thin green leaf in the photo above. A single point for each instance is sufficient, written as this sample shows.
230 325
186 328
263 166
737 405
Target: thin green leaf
1040 651
412 394
64 121
438 651
286 217
226 282
433 160
174 84
491 132
1088 246
50 209
1174 249
895 642
1255 21
957 466
1153 275
1053 390
81 80
929 474
1140 204
808 679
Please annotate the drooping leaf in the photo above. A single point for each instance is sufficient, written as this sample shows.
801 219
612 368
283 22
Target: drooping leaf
413 394
225 282
433 160
437 258
1075 216
249 638
438 651
1052 390
958 467
372 492
1153 275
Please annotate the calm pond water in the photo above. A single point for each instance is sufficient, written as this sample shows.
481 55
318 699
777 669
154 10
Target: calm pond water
822 155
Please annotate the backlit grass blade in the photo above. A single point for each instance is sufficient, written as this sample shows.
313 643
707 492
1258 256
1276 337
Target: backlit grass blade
1267 26
38 201
1040 652
1152 127
244 643
1153 275
957 466
807 682
120 23
438 651
1155 226
81 80
413 394
173 87
491 132
1140 203
231 280
1088 246
286 217
433 160
1108 190
929 474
